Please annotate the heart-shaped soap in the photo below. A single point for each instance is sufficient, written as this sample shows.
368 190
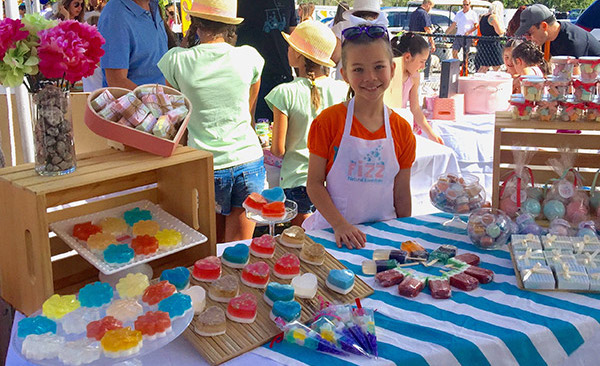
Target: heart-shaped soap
236 256
341 280
278 292
256 274
242 309
198 295
224 288
178 277
293 237
211 322
207 269
263 246
274 194
288 310
305 286
286 267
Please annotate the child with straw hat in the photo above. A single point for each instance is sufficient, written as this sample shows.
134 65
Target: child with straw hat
296 104
222 82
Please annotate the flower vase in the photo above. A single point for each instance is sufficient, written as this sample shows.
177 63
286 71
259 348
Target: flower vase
53 130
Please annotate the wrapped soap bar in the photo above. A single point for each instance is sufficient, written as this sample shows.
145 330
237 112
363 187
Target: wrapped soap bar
481 274
411 246
151 101
464 282
125 122
584 92
556 258
140 92
558 88
529 258
372 267
521 108
131 108
109 113
178 114
443 253
572 111
524 242
383 254
468 258
594 276
164 101
589 260
418 256
538 277
550 242
147 124
411 286
164 128
587 243
177 100
532 87
439 288
102 100
571 276
389 278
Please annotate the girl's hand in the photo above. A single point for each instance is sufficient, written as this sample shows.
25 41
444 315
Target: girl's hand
349 235
435 138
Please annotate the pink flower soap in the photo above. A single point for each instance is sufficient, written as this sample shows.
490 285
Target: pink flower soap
242 309
286 267
256 274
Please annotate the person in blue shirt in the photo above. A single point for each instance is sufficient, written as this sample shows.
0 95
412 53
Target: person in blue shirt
135 41
420 21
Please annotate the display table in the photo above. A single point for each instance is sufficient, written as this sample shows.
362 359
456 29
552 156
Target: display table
496 324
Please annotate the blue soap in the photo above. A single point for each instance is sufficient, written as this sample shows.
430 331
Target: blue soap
279 292
178 277
274 194
118 254
95 294
36 325
176 304
288 310
135 215
237 254
342 278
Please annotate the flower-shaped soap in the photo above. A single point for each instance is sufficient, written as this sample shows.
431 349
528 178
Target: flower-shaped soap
144 245
113 225
100 241
79 352
121 342
135 215
145 227
132 286
178 277
56 306
176 305
95 294
84 230
125 310
36 325
168 238
42 346
96 329
118 254
153 324
155 293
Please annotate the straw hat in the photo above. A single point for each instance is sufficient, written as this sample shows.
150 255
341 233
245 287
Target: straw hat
223 11
313 40
373 6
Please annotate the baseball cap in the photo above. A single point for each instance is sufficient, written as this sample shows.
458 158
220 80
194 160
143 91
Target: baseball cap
531 16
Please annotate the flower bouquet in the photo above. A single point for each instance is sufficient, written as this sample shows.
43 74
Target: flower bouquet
48 57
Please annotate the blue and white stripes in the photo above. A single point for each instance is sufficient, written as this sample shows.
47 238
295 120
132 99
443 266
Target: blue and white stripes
496 324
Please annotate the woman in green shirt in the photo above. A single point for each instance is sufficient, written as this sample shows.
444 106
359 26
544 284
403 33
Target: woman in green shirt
222 82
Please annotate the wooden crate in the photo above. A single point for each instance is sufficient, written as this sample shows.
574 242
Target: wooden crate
543 136
35 264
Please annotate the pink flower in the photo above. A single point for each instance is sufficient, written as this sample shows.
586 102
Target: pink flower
71 49
10 33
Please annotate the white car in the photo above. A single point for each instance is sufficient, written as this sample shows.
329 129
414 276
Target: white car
399 18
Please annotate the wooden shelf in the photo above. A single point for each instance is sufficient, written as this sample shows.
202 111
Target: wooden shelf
181 184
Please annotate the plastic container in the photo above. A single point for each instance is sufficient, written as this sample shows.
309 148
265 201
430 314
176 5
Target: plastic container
593 111
489 228
521 109
584 91
562 66
547 109
572 111
486 93
589 67
557 88
130 136
532 87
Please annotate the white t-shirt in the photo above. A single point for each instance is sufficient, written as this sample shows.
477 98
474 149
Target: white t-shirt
465 21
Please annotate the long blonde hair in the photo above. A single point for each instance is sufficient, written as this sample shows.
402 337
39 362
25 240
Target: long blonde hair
497 9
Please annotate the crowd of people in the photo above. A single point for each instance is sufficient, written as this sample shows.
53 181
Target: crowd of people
346 156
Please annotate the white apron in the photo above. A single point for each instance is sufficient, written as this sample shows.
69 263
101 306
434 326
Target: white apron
361 179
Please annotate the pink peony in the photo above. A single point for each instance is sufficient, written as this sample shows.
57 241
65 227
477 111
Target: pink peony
10 33
71 49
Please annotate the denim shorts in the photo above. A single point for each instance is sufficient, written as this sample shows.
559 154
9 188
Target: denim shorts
299 195
233 185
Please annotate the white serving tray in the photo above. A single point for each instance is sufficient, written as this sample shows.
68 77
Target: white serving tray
189 236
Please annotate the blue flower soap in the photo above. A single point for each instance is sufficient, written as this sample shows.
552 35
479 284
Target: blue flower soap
274 194
135 215
176 305
287 310
278 292
340 280
118 254
178 277
236 256
36 325
95 294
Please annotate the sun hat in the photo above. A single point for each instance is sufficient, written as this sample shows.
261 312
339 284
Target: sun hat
313 40
531 16
373 6
223 11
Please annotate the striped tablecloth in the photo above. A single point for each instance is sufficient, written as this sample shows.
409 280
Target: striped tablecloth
496 324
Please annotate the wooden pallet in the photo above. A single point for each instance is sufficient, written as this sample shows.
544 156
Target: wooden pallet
510 133
241 338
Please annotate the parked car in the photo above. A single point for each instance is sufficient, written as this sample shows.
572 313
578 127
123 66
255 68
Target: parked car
399 18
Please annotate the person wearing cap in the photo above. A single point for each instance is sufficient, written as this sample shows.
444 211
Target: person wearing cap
222 82
261 29
420 21
135 41
465 22
297 103
538 24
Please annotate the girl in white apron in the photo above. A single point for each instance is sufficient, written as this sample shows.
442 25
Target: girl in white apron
366 182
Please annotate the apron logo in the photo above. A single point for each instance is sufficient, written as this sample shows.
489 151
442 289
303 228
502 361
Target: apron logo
369 169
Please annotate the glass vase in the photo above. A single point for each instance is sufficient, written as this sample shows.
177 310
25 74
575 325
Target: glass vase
52 130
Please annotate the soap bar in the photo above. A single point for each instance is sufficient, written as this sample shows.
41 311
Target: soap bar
556 258
464 282
305 286
572 277
274 194
538 277
207 269
440 288
176 305
153 324
468 258
383 254
178 277
278 292
340 280
481 274
523 242
211 322
286 267
263 247
236 256
389 278
242 309
551 242
287 310
254 203
224 289
273 211
411 286
373 267
313 253
256 274
155 293
418 256
198 295
293 237
411 246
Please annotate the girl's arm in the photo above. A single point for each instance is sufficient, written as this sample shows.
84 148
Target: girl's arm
280 126
496 24
345 233
402 198
254 88
417 112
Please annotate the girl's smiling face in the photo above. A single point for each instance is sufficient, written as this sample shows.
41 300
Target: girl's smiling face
508 61
413 64
368 69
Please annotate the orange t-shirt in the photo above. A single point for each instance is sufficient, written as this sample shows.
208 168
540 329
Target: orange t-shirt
327 129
